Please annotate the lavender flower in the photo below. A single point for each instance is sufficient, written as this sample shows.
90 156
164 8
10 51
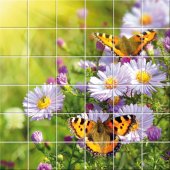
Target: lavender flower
99 46
152 16
37 137
63 69
51 80
144 76
166 43
59 62
61 43
62 79
153 133
68 138
87 64
44 166
42 102
112 82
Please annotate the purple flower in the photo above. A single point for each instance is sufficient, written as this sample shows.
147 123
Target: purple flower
37 137
8 164
153 133
51 80
63 69
82 13
62 79
61 43
81 87
166 43
99 46
125 60
81 143
102 68
167 33
59 62
68 138
166 157
44 166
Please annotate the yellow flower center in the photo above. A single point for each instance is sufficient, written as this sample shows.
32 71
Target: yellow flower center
135 126
44 102
110 83
143 77
146 19
115 101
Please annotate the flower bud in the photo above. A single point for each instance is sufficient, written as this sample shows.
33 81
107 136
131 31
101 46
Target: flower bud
37 137
44 166
153 133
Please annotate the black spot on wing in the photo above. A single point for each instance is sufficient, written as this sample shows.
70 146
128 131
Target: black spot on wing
126 117
115 128
88 123
75 120
82 121
118 119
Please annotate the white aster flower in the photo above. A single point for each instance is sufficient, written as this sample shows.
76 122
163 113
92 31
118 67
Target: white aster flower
42 102
144 119
144 76
149 14
112 82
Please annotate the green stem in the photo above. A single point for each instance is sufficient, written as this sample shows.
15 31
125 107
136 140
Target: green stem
69 164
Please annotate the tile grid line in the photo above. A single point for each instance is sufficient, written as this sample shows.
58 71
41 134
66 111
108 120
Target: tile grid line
85 33
142 95
56 68
74 142
77 28
113 23
28 53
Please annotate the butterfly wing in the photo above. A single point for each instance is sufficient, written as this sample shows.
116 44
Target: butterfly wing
80 127
122 125
97 142
105 39
103 148
139 41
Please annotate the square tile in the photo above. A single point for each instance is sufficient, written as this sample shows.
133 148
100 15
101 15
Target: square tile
42 42
13 123
15 69
44 67
128 157
120 15
15 155
72 97
73 15
7 102
162 132
95 46
36 156
16 40
73 156
43 125
42 13
72 68
70 42
101 14
153 153
13 13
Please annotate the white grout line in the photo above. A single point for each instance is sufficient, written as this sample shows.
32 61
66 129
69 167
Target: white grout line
28 53
85 58
56 68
